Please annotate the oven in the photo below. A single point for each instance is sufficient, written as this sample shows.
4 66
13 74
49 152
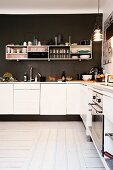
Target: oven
108 142
97 130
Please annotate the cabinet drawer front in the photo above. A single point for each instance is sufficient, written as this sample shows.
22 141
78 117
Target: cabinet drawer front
53 99
26 101
26 86
6 98
73 99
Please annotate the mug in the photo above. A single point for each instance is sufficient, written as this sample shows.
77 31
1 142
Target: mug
66 43
18 50
8 50
29 43
25 44
39 43
24 50
12 50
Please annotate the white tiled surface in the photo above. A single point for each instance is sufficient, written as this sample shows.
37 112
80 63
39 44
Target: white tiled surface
46 146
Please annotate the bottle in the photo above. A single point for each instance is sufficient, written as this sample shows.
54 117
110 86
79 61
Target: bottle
56 40
25 76
63 76
35 42
36 78
95 75
69 39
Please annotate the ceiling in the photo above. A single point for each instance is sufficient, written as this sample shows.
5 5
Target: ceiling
49 6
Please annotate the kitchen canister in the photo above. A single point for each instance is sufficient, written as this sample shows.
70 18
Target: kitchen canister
8 49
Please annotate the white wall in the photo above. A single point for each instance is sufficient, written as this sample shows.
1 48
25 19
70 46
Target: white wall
107 9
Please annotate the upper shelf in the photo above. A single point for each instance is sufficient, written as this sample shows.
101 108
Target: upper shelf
49 52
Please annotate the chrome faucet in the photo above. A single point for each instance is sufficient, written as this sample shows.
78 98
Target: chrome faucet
31 74
92 71
36 77
39 75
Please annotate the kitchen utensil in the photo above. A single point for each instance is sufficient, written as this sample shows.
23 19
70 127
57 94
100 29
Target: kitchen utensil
29 43
8 49
69 78
84 52
74 57
84 56
24 43
18 50
86 77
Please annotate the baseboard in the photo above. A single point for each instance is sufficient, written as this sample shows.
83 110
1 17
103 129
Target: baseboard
40 118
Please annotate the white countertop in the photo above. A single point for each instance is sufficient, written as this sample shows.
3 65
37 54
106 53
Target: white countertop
99 86
102 87
48 82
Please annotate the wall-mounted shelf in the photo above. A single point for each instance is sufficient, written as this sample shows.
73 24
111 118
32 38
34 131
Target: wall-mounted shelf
81 52
59 52
49 52
15 52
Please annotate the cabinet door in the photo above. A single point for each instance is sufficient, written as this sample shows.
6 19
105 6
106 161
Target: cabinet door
84 103
6 98
26 101
73 98
108 128
107 107
53 99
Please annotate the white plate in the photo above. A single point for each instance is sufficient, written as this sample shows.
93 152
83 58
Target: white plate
74 57
84 56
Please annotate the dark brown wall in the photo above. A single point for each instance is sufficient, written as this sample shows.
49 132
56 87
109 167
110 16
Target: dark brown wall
19 28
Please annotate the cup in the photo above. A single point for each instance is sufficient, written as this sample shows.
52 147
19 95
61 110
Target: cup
39 43
24 50
18 50
8 50
25 43
29 43
56 40
66 43
12 50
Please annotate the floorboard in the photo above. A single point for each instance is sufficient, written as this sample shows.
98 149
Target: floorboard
46 146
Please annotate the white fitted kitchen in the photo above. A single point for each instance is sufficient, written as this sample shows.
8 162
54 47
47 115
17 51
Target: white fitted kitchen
56 85
66 98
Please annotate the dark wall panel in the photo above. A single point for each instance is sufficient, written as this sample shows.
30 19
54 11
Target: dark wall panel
19 28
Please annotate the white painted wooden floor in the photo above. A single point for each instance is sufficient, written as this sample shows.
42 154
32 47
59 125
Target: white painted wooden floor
46 146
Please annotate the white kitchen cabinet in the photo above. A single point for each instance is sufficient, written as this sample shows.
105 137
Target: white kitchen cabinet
107 107
53 99
26 98
108 123
73 98
6 98
108 129
85 111
84 103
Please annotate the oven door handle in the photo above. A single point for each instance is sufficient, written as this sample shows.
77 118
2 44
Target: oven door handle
91 104
96 114
96 109
108 155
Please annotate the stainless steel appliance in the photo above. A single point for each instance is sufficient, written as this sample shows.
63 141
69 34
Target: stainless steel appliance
108 142
97 129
